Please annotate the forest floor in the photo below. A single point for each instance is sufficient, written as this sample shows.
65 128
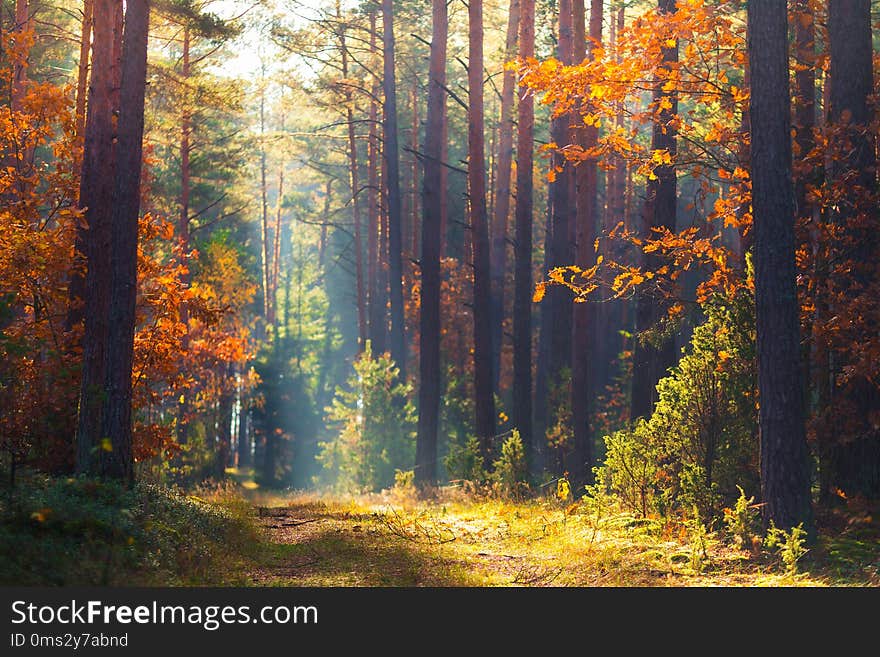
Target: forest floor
457 540
74 531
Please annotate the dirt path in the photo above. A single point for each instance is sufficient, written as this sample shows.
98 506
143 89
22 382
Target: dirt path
314 544
375 541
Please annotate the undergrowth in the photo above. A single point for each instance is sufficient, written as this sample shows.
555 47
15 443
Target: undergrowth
78 531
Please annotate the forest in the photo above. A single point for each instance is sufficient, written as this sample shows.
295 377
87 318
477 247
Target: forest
440 292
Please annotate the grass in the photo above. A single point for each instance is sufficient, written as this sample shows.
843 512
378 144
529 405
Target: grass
458 540
77 531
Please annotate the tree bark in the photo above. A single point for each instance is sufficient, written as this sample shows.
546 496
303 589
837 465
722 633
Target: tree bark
650 363
522 298
94 239
392 182
855 460
183 219
503 171
377 300
429 311
484 403
355 192
584 319
118 461
785 476
82 78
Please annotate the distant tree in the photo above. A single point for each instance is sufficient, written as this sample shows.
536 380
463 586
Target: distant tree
484 405
652 358
522 298
429 309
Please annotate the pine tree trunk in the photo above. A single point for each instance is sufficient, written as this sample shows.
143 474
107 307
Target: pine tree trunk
584 320
118 461
244 445
82 77
785 476
855 463
355 198
94 240
183 220
484 405
650 363
376 289
392 163
522 298
503 171
429 311
556 333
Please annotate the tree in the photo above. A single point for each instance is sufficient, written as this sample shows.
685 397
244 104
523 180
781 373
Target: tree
89 289
583 322
484 405
652 358
429 311
83 67
852 463
785 477
503 170
392 189
117 461
554 351
522 297
355 186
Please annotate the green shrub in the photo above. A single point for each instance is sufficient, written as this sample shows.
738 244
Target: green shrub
376 425
511 471
79 531
789 545
700 442
742 519
465 462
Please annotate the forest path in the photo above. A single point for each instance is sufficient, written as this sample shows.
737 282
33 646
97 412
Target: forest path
392 541
315 543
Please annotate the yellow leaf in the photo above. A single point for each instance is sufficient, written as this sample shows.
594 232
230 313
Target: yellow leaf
540 290
106 445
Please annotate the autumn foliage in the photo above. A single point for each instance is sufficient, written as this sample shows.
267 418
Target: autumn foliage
39 354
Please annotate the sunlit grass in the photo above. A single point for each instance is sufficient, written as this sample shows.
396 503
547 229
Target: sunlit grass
454 540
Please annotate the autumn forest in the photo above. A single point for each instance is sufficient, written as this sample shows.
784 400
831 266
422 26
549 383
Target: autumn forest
440 292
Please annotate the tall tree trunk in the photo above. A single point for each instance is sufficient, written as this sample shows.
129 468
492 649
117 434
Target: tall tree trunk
244 445
855 463
378 302
224 426
484 403
414 147
522 298
19 75
94 239
82 78
183 219
503 170
556 334
392 163
429 310
276 249
785 475
610 313
118 461
583 336
650 362
355 192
